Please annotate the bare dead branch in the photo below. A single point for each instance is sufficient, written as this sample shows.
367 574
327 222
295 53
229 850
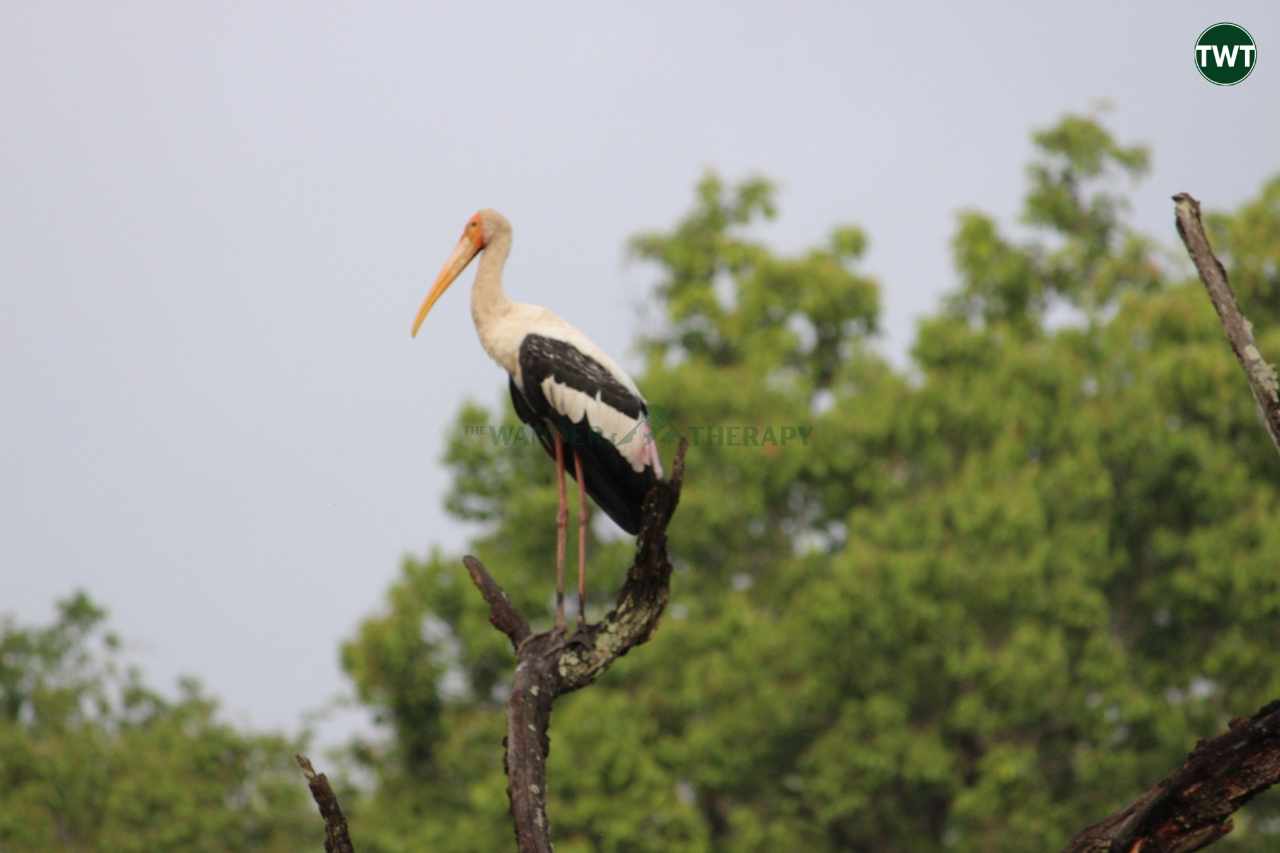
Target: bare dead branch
336 837
1192 807
550 664
1261 375
502 613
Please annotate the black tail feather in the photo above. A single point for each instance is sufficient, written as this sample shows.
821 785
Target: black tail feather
612 483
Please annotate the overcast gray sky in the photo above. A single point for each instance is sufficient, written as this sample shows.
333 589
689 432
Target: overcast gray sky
218 219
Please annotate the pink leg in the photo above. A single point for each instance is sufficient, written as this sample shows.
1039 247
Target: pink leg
582 540
562 523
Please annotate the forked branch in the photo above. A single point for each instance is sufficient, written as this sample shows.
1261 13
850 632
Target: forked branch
553 663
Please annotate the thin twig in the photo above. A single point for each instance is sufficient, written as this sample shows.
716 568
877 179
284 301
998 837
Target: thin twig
1261 375
550 664
502 613
336 837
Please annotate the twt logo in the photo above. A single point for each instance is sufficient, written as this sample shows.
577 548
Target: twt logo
1226 54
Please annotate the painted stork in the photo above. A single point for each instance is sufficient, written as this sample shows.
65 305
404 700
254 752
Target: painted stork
577 400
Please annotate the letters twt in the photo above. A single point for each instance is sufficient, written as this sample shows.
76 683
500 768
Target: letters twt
1225 55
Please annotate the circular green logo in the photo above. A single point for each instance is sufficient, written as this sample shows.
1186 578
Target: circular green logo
1226 54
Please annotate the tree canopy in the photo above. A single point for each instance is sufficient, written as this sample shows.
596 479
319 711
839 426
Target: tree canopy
91 758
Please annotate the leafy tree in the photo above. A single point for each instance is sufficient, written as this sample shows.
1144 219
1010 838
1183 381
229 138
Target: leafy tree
971 605
93 759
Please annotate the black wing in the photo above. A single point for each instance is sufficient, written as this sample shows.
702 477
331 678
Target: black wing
526 414
609 478
541 357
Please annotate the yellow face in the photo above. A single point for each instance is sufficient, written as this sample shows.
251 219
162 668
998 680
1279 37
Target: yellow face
469 245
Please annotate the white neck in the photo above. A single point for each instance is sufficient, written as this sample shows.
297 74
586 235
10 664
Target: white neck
489 302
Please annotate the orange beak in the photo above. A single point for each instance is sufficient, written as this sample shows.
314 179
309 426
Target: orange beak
462 255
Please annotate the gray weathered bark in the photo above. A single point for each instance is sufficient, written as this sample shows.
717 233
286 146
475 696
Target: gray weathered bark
1261 375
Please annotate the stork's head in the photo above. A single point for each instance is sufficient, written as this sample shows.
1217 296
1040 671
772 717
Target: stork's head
481 229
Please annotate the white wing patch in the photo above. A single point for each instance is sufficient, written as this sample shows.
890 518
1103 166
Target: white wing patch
631 437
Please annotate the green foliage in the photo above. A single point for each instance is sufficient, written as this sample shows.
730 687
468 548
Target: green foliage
93 759
986 600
